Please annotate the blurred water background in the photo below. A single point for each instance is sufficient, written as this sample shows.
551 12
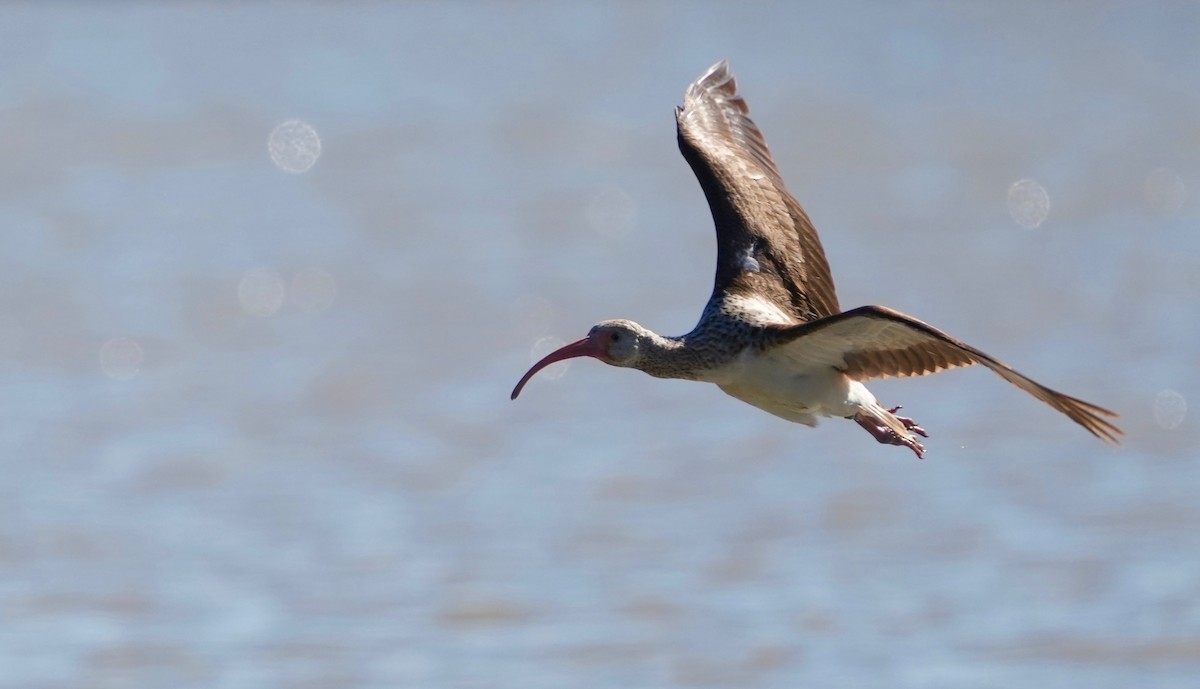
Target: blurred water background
270 270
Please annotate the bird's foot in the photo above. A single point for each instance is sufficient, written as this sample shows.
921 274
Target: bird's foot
881 432
908 423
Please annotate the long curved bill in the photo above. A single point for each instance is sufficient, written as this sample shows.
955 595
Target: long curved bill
583 347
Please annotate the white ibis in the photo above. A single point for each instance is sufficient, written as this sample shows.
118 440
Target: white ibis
772 333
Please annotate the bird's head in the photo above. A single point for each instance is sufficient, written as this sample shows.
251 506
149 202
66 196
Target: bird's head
616 342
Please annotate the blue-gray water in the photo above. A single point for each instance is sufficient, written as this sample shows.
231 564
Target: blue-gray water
255 425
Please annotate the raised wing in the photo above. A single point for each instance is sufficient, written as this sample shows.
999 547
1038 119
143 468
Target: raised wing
877 342
766 245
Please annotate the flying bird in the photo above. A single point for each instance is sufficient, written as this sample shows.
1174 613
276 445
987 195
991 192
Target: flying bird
772 333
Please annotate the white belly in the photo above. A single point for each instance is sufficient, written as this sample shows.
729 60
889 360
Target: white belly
798 396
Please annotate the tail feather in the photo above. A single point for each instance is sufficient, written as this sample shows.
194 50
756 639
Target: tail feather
888 428
889 419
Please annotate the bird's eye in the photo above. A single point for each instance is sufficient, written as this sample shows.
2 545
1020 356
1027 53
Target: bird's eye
616 337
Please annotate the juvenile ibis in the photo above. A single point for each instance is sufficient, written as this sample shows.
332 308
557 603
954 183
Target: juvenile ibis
772 333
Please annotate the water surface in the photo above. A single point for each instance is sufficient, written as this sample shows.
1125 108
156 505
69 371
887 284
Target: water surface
256 428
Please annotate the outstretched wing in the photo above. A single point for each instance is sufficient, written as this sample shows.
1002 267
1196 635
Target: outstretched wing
878 342
766 245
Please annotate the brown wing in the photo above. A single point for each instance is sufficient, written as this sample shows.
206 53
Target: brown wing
877 342
766 245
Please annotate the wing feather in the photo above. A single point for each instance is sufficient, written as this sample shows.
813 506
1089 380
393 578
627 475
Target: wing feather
754 214
878 342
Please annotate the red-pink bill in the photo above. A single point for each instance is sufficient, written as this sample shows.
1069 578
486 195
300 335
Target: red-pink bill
582 347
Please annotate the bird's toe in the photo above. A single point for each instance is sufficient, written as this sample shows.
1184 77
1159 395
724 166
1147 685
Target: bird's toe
908 422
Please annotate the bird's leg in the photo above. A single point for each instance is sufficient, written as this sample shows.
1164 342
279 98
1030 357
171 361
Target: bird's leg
887 436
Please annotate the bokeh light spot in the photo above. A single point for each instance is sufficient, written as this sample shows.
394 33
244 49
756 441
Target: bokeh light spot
1169 409
294 146
611 212
121 358
1028 203
1165 191
543 347
313 290
261 292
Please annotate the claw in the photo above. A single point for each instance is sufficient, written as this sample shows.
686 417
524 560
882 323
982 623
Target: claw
917 448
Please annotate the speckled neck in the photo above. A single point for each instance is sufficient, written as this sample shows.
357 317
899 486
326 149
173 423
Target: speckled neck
726 327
